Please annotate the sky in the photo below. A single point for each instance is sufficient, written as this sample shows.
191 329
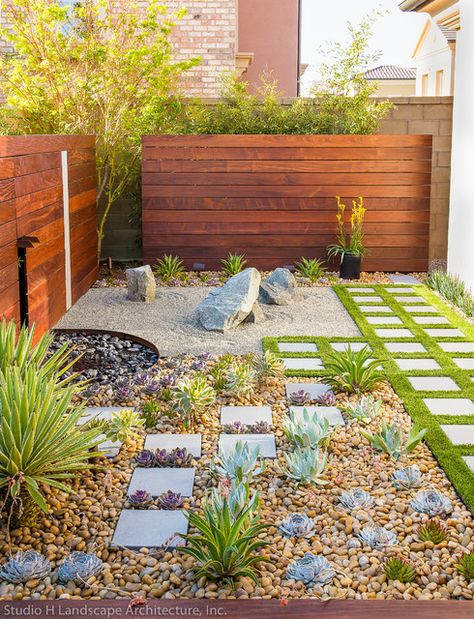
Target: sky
395 34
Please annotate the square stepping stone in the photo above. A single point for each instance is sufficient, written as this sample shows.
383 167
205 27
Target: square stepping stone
449 406
389 333
417 309
367 299
433 383
431 320
408 299
246 414
302 363
331 413
266 442
404 290
404 347
343 346
469 460
383 320
103 413
465 363
375 309
297 347
152 528
457 346
459 434
360 289
417 364
440 332
403 279
159 480
192 442
315 390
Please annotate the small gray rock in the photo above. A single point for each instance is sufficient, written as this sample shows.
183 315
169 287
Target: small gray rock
280 288
141 284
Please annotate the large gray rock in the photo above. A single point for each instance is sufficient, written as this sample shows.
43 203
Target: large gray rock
256 316
225 308
141 284
280 288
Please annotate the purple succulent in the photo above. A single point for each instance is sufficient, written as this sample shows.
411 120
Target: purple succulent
145 459
174 458
141 378
261 427
205 356
167 381
300 397
170 500
152 387
140 498
236 427
198 366
327 399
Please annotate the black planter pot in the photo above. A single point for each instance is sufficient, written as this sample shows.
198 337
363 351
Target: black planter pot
350 267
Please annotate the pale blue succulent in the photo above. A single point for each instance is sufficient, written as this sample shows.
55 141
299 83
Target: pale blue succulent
79 567
407 478
431 502
378 537
25 566
311 569
297 525
307 430
356 499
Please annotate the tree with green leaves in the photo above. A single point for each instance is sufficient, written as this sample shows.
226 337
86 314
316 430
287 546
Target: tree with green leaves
85 69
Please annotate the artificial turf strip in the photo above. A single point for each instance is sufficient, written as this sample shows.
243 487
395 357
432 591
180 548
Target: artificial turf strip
448 455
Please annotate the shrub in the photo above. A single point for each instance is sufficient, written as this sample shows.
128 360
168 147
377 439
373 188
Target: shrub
353 371
306 466
453 289
233 264
169 267
391 440
312 268
397 568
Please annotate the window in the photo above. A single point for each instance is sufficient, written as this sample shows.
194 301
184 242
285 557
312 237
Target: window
424 84
439 82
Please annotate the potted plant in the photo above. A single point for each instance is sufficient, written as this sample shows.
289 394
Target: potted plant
349 248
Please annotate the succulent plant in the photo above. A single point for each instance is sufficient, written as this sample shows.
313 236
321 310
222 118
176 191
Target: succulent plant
25 566
365 410
240 378
465 566
391 440
79 567
431 502
237 427
241 464
152 387
300 397
145 459
306 466
124 425
397 568
192 396
310 430
377 537
327 399
268 365
170 500
260 427
178 457
140 498
150 414
311 569
297 525
356 499
407 478
353 371
237 496
432 531
123 389
141 379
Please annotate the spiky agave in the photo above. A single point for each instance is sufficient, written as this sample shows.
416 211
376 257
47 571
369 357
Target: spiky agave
353 371
398 568
391 440
432 531
306 466
307 430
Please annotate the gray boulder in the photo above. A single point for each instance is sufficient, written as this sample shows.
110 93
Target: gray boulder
280 288
256 316
141 284
227 307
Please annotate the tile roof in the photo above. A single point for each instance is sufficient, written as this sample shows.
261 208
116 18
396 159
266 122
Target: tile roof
390 72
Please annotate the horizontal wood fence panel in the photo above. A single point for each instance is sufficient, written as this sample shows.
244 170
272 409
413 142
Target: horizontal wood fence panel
273 197
32 204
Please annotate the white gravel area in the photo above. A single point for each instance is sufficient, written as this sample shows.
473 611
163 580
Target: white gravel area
170 322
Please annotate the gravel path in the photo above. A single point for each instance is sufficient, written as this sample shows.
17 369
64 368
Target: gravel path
171 325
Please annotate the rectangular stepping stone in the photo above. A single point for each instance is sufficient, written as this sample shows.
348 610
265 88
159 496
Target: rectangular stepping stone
444 332
459 434
417 309
404 290
431 320
246 414
103 413
297 347
159 480
433 383
375 309
360 289
403 279
469 460
192 442
343 346
449 406
315 390
302 363
465 363
108 447
367 299
152 528
331 413
383 320
410 299
404 347
389 333
266 442
417 364
457 346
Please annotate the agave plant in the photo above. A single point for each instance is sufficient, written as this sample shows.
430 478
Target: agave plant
397 568
306 466
241 464
465 566
353 371
391 440
365 410
300 398
140 498
297 525
311 569
356 499
41 442
79 567
312 268
233 264
25 566
431 502
169 267
124 426
178 457
432 531
310 430
226 544
192 397
170 500
145 459
378 537
268 365
240 378
408 478
236 493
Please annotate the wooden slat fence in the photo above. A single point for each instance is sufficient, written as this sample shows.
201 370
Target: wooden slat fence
31 204
273 197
